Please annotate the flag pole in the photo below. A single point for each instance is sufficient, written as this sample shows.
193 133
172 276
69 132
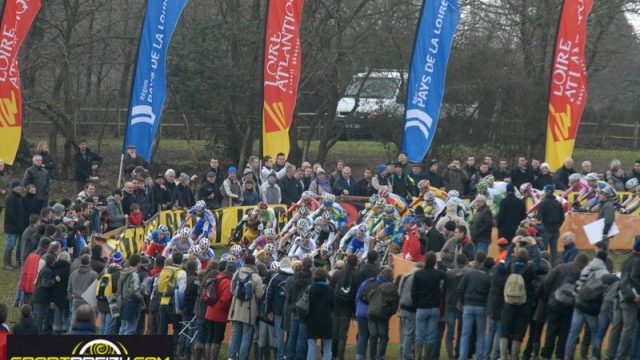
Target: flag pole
120 171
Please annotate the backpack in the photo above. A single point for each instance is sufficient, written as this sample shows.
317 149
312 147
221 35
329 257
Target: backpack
104 289
345 290
302 305
566 293
243 288
383 301
167 282
367 288
592 290
208 294
515 291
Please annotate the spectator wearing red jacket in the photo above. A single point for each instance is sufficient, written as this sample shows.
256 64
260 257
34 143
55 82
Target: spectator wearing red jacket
30 269
218 313
135 216
412 248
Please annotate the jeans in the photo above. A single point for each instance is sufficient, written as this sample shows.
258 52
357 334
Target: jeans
408 332
61 319
363 338
624 322
491 344
378 338
279 334
312 345
297 339
472 315
550 239
9 243
577 320
265 334
427 326
482 246
107 323
604 319
40 312
241 338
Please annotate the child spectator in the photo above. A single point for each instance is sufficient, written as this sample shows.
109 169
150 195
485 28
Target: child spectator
135 216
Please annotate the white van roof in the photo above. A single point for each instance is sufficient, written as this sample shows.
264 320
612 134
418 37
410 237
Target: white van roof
382 73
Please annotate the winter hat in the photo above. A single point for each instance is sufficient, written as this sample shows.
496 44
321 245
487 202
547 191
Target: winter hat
231 267
318 172
15 184
549 189
183 178
117 257
381 167
232 170
511 188
545 165
247 171
502 242
58 208
211 174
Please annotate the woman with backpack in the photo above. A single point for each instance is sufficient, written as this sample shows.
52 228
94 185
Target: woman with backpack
217 287
319 320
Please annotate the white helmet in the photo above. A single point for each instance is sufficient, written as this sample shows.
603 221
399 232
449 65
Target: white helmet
269 249
163 229
228 258
381 202
236 250
275 266
575 177
195 249
453 194
631 183
303 211
303 223
306 195
429 197
200 205
185 231
526 187
591 177
204 243
270 233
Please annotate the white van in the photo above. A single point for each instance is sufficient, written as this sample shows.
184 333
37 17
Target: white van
377 92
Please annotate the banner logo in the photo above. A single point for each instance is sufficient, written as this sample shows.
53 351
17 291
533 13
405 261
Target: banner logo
9 111
148 347
142 114
426 84
276 114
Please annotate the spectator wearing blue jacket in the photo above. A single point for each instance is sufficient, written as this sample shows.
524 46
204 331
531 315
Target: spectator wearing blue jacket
345 185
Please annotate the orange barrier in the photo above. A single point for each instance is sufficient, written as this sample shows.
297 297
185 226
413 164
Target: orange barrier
629 226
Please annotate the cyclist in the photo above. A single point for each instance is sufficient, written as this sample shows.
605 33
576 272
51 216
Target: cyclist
307 199
206 253
358 241
266 217
632 203
182 242
204 221
157 240
303 245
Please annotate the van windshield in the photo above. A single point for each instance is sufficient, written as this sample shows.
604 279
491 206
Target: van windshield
374 88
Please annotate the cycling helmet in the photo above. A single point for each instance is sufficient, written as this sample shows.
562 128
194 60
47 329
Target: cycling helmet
163 229
185 231
303 223
306 233
303 211
275 266
574 178
383 192
591 177
526 187
609 192
262 205
306 195
422 184
429 197
269 233
195 249
228 258
327 215
631 183
453 194
373 198
269 249
200 205
381 202
204 243
252 215
482 185
236 250
362 228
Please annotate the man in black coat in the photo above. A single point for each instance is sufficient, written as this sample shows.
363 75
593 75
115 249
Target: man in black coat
481 225
561 177
85 163
522 173
552 215
345 185
290 187
369 269
14 222
512 212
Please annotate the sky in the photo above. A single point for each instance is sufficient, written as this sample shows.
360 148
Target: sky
634 19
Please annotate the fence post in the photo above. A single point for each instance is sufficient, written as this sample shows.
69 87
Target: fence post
636 130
